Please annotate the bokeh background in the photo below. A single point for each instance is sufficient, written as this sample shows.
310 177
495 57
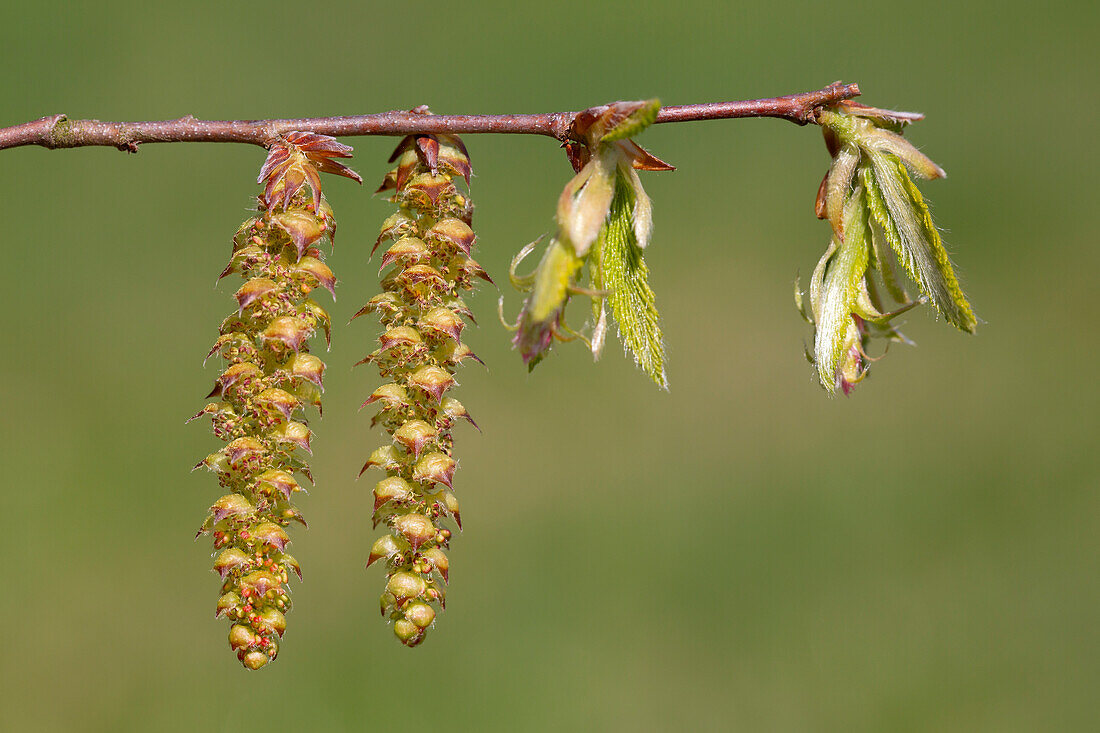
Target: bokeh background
741 553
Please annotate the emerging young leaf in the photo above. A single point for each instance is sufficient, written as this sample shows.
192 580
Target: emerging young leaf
605 220
621 271
867 141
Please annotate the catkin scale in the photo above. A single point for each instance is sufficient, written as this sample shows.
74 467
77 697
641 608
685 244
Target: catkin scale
261 396
427 265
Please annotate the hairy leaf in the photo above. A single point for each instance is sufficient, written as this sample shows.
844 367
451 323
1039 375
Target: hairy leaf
839 291
626 278
898 207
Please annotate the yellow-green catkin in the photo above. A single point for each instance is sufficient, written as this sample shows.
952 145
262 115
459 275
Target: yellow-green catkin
421 311
261 396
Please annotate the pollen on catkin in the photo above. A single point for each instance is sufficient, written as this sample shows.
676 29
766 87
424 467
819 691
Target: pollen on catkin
428 265
269 380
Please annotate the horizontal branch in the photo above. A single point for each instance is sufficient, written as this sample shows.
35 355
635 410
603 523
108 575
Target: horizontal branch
58 131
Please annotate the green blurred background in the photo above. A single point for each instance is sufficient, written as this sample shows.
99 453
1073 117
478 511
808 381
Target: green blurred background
742 553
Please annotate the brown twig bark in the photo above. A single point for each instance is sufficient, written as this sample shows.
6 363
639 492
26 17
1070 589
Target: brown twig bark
58 131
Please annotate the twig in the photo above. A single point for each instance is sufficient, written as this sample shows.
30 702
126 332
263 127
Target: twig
58 131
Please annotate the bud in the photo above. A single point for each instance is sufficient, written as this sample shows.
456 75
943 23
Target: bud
254 290
390 489
279 400
272 621
231 559
388 458
312 271
407 251
399 336
444 321
307 367
605 221
232 505
254 660
385 546
243 372
450 503
414 435
241 637
228 605
272 534
408 632
420 614
289 331
432 380
438 560
434 468
404 586
417 529
276 481
452 231
293 432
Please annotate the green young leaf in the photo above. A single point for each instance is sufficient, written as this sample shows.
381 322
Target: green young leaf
584 202
898 207
543 309
623 273
634 122
840 290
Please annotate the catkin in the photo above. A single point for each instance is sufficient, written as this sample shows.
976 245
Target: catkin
421 311
269 380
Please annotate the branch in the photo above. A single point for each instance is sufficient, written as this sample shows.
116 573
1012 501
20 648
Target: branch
58 131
